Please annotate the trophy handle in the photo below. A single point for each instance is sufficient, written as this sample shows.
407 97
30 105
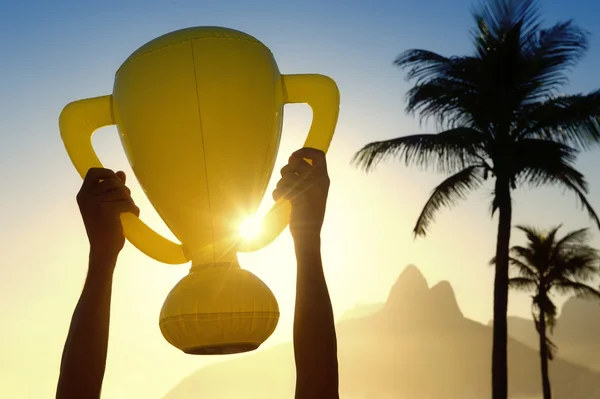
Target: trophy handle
322 95
77 123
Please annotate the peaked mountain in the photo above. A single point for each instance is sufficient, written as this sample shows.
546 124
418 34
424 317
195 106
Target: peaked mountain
411 287
418 345
412 306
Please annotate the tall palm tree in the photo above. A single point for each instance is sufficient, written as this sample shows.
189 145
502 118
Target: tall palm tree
500 116
549 265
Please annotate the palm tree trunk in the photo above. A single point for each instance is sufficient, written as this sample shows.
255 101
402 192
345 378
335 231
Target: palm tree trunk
544 357
499 355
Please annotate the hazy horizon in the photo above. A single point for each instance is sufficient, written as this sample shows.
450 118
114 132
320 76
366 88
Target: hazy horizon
57 53
418 345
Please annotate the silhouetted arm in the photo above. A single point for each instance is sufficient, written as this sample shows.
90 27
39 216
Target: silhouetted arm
306 186
102 198
84 355
315 343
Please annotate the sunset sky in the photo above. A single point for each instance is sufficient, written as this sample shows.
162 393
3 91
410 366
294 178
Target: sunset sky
57 52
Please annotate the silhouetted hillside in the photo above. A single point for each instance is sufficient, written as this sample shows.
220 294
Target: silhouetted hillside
577 332
362 310
417 346
579 321
522 330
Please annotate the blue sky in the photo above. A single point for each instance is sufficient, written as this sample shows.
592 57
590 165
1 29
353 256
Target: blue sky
57 52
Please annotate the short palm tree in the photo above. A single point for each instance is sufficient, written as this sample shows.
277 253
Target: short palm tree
500 116
548 265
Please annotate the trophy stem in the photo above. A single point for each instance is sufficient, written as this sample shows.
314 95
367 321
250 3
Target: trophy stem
199 267
221 254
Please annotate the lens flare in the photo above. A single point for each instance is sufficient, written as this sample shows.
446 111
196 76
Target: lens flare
250 228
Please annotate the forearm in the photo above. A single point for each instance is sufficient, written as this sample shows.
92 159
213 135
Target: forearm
84 356
315 343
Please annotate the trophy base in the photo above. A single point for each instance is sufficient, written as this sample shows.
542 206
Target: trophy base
223 349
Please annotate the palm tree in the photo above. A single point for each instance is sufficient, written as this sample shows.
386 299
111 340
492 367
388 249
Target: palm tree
549 265
499 116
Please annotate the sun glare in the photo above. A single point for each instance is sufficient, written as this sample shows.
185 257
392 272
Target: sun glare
250 228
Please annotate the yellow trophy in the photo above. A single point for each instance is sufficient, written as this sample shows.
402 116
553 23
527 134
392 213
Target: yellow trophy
199 112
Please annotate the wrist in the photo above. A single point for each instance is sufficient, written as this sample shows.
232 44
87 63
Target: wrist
101 264
101 255
307 242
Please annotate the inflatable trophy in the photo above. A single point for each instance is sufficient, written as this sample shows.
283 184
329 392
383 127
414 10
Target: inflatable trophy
199 113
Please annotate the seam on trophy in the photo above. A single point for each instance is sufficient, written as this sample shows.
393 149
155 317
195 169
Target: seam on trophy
273 143
127 61
212 231
219 316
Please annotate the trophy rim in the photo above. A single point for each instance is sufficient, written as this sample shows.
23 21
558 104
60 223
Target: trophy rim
222 349
188 34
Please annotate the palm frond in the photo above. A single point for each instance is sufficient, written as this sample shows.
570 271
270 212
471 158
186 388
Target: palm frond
569 183
545 304
495 18
448 151
550 53
446 89
578 264
580 290
522 283
552 166
449 102
535 162
525 254
573 120
534 236
539 248
422 65
576 237
523 269
548 250
448 193
552 348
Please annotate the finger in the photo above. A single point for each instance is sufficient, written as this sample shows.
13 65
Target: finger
293 185
121 176
277 194
285 185
297 166
124 206
106 186
289 180
317 156
120 194
93 175
296 185
129 206
289 193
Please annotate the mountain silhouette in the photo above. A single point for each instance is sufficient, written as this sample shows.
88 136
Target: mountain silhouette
412 306
418 345
577 332
579 321
411 287
411 284
361 310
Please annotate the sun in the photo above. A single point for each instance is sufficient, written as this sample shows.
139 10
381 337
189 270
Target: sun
250 228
